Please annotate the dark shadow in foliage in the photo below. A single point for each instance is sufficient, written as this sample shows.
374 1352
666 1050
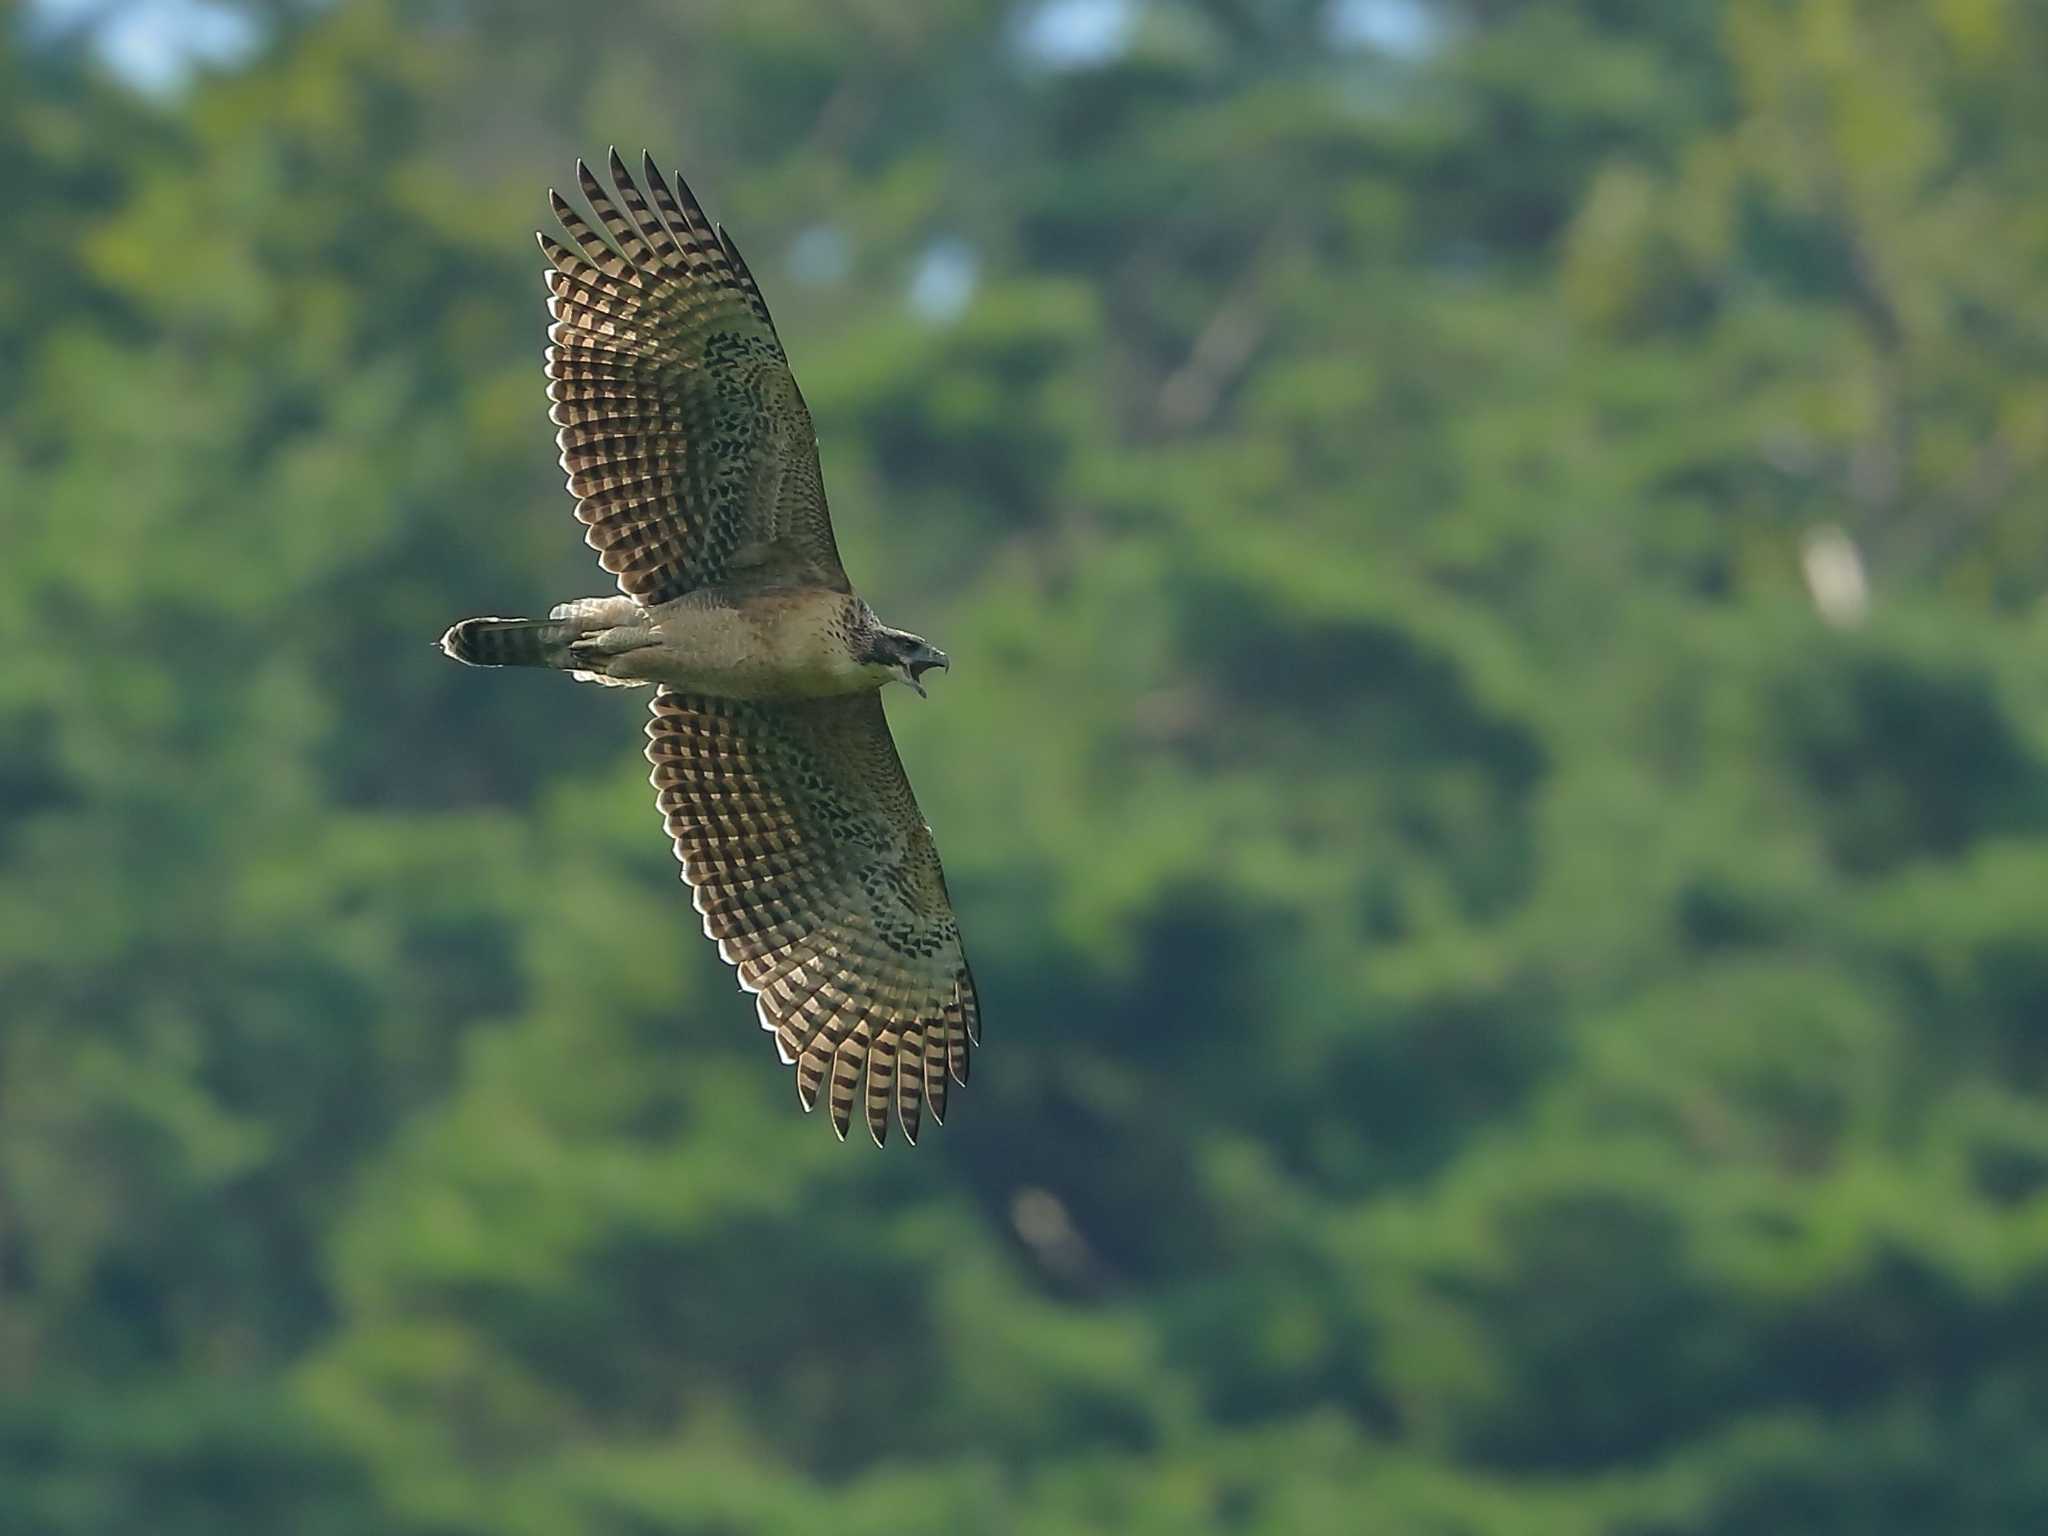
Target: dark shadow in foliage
1994 983
32 781
1422 737
1720 909
190 1460
1154 1041
975 427
1422 1078
1904 758
1609 1340
1281 1340
802 1318
1101 1162
1903 1325
1902 1469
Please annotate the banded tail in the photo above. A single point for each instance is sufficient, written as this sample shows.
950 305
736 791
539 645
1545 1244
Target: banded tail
510 642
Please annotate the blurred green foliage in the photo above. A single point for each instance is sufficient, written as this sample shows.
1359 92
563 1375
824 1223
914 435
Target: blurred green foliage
1503 1020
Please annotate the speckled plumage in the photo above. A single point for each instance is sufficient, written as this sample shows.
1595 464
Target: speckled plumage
692 459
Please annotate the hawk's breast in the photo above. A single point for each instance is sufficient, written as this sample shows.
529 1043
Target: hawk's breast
780 645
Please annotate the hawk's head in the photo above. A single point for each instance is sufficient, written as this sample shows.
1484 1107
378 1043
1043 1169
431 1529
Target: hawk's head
896 655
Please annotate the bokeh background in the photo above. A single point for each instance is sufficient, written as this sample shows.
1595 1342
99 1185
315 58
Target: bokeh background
1496 777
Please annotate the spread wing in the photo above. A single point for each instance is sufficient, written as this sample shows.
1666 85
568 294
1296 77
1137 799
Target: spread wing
686 442
816 874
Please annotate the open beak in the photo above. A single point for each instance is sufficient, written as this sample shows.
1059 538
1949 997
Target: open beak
913 671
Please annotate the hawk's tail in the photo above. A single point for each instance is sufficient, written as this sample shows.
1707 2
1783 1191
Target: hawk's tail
510 642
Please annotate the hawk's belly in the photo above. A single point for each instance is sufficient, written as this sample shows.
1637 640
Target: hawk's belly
782 645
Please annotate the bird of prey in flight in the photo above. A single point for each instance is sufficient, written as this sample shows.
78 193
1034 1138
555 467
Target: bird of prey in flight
695 470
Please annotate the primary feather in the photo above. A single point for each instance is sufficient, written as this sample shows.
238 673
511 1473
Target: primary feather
687 444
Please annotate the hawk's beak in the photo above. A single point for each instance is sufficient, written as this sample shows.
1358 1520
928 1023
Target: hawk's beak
914 670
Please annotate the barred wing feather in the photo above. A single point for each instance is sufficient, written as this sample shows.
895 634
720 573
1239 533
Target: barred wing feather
817 876
686 441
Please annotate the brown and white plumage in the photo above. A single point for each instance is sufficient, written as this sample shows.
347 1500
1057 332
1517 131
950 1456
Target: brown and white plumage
687 443
815 873
692 457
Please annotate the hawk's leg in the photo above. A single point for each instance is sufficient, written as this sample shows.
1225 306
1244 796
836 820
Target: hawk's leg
603 656
591 614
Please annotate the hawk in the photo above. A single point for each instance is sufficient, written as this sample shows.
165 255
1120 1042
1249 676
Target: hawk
694 466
